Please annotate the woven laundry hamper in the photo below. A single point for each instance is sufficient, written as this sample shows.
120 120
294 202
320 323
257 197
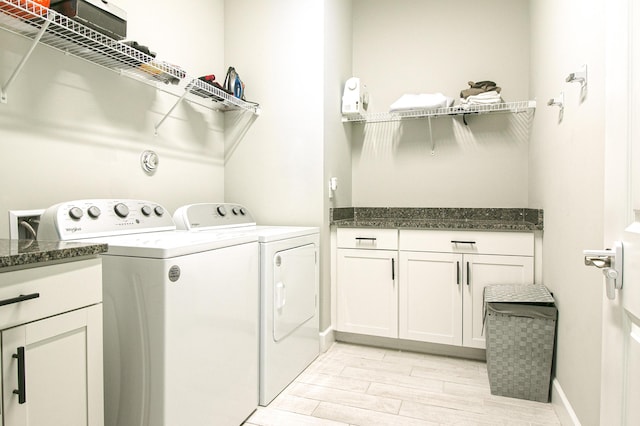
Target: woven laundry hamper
520 325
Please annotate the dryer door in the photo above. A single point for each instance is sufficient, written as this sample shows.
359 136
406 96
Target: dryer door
294 289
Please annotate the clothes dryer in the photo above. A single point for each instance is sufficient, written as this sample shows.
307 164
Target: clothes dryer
289 280
180 314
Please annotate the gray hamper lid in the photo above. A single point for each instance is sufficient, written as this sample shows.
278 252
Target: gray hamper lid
518 293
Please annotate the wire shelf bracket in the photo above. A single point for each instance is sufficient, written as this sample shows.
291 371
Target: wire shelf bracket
48 27
433 141
23 61
157 126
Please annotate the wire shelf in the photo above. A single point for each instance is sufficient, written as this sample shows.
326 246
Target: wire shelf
27 18
504 107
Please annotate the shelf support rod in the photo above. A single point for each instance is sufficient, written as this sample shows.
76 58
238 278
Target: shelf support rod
433 142
157 126
36 40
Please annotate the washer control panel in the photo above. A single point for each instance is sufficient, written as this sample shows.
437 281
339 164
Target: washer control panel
212 215
102 217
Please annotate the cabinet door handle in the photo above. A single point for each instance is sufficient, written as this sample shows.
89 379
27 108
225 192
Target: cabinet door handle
462 242
19 299
393 269
468 274
458 272
21 391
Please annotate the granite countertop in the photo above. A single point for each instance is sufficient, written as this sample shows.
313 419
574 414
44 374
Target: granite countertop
16 254
484 219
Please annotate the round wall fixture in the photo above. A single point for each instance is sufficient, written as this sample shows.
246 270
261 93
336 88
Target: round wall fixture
149 161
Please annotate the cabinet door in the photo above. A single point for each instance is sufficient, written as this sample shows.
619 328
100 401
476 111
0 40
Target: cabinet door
480 271
431 297
367 299
52 370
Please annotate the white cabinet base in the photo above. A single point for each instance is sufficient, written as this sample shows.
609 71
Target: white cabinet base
430 297
52 345
62 370
436 294
367 292
411 345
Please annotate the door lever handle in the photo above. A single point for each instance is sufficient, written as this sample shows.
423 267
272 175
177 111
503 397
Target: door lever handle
611 263
598 261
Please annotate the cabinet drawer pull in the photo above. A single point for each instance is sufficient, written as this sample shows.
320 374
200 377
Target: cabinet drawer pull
372 239
19 299
468 274
462 242
393 269
21 391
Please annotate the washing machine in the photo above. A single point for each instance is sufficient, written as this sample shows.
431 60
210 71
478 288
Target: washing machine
180 314
289 280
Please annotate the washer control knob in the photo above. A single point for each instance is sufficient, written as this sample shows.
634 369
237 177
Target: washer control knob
146 210
236 211
75 213
159 210
243 211
121 210
94 212
221 211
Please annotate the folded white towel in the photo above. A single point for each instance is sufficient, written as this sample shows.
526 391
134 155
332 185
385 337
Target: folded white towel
411 102
490 94
486 98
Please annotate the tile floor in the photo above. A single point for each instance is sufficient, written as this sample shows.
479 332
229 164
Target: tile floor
359 385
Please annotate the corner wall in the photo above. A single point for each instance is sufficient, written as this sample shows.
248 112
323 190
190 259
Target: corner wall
337 143
276 165
566 180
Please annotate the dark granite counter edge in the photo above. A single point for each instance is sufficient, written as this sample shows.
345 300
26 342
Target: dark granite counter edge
478 226
504 219
26 257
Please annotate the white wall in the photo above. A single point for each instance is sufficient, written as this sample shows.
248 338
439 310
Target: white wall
428 46
276 165
566 180
276 168
72 130
337 145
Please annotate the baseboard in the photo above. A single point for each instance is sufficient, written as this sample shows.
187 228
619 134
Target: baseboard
411 345
326 339
562 406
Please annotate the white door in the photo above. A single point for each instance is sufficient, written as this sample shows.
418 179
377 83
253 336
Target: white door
621 317
52 370
294 289
367 292
479 271
431 297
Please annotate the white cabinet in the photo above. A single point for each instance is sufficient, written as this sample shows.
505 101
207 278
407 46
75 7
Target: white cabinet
52 344
443 275
425 285
430 297
367 299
